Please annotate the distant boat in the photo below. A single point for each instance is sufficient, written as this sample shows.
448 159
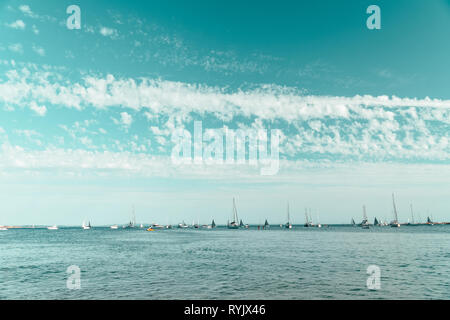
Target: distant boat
288 224
183 225
114 226
234 223
3 228
157 226
53 228
353 222
132 223
86 227
375 222
266 225
429 222
365 223
169 226
395 223
142 226
412 214
213 224
308 223
150 229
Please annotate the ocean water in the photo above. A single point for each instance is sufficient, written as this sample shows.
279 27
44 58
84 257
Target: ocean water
302 263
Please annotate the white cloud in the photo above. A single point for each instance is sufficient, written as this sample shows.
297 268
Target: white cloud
26 10
108 32
16 47
18 24
39 50
126 119
40 110
35 29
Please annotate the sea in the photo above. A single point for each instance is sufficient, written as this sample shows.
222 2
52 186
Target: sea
411 262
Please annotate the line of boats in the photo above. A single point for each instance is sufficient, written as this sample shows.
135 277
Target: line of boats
237 223
394 223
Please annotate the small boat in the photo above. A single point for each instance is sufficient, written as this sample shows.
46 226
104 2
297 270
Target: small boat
395 223
288 224
157 226
213 224
234 223
53 228
169 226
114 227
132 223
353 222
429 222
308 223
142 226
266 225
365 222
86 227
3 228
150 229
375 222
183 225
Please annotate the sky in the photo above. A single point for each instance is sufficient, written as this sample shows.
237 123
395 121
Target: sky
87 115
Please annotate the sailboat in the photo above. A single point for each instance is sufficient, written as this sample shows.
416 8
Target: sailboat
213 224
429 221
132 222
183 225
353 222
52 228
307 221
114 226
375 222
266 225
86 227
395 223
365 223
288 224
234 223
412 214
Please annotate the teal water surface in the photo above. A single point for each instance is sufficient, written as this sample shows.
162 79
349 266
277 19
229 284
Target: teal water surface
302 263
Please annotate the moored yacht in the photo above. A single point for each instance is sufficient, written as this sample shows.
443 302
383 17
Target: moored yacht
234 223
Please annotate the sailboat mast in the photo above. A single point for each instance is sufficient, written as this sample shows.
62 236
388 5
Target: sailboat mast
364 213
288 220
412 214
395 208
235 215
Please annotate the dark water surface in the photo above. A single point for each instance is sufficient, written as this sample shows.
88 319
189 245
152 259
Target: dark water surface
302 263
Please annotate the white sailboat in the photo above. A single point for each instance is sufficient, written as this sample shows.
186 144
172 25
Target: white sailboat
53 227
114 227
307 222
86 226
234 224
395 223
365 221
288 224
3 228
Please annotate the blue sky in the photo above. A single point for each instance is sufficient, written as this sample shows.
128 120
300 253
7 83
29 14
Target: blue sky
86 115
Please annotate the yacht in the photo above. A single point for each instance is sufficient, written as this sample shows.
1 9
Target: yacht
234 223
53 228
395 223
288 224
86 226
